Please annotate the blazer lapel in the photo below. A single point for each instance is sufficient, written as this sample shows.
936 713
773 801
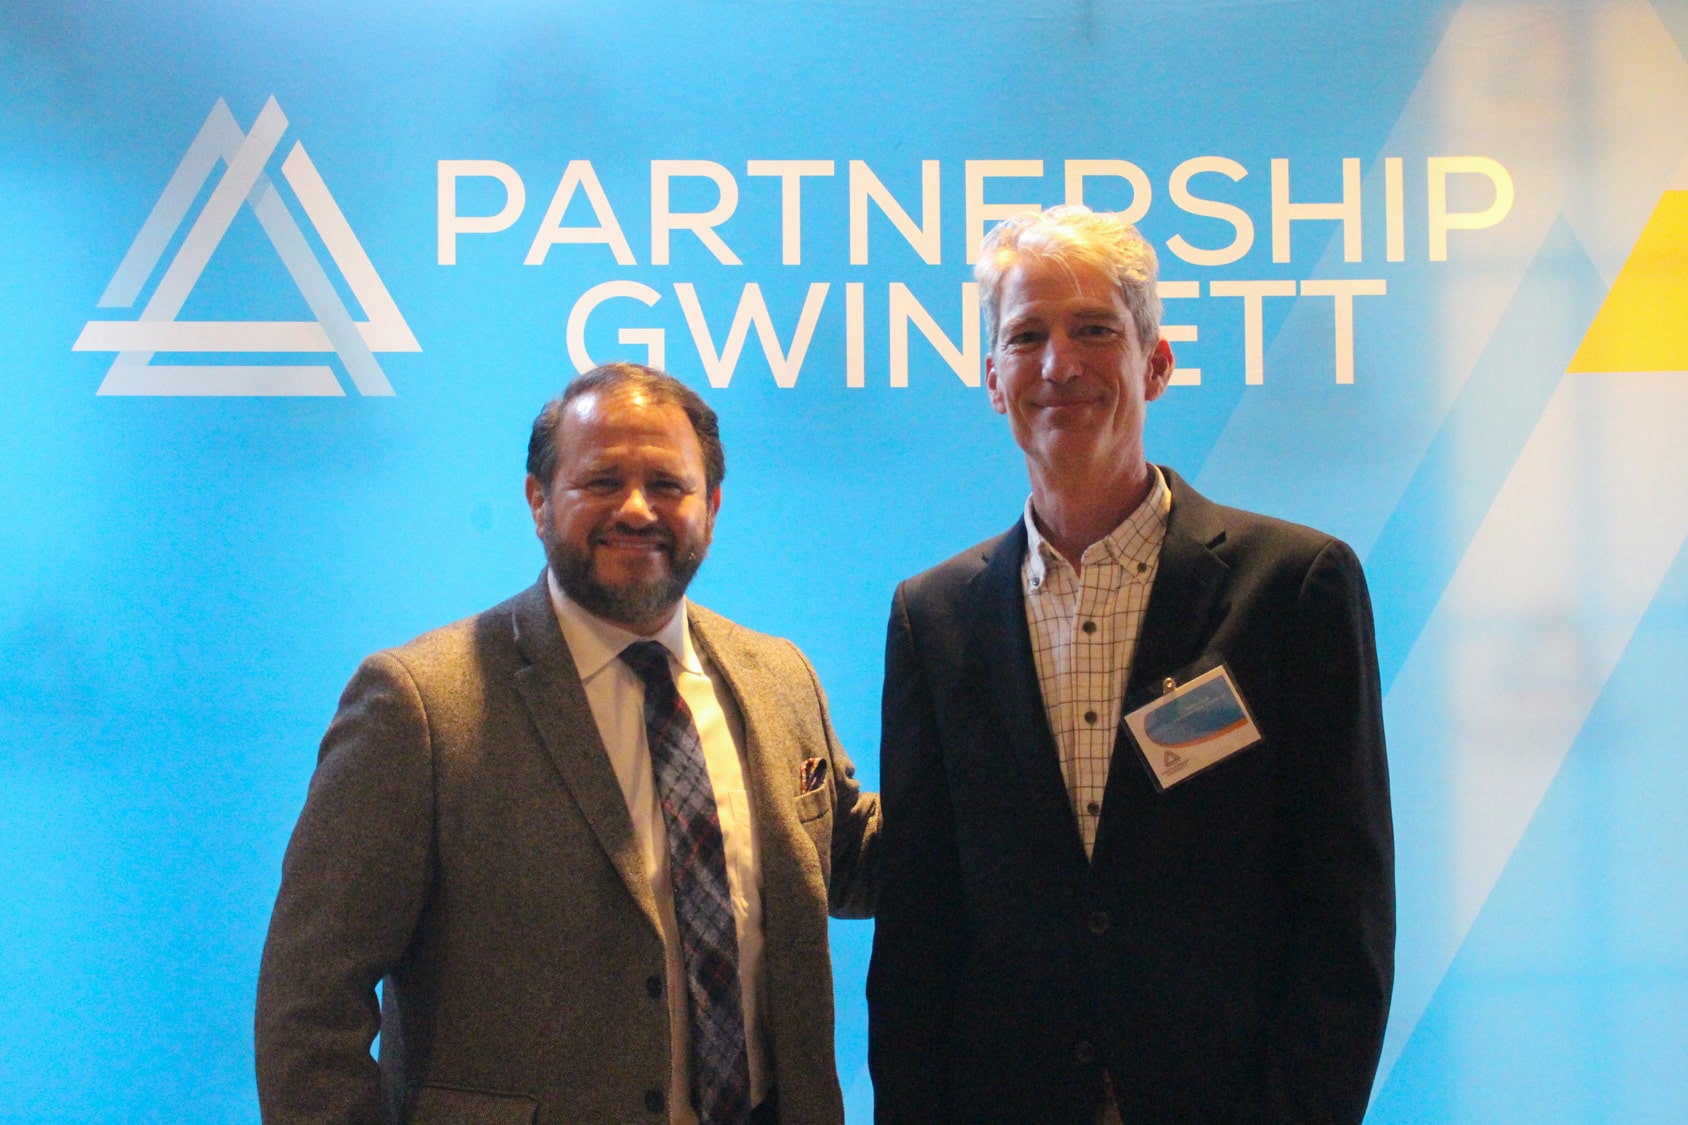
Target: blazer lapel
1183 613
1001 666
550 686
770 775
737 667
1184 605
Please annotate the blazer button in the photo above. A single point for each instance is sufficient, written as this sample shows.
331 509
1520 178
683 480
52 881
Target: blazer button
653 1100
1084 1052
653 987
1099 922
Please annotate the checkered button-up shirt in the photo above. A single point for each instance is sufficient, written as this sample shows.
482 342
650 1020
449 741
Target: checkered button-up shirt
1084 627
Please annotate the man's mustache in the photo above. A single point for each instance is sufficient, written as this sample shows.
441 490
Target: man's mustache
656 533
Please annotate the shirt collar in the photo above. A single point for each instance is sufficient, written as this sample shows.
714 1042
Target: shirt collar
1134 545
595 642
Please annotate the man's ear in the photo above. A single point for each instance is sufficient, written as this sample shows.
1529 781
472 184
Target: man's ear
536 504
993 387
714 502
1160 371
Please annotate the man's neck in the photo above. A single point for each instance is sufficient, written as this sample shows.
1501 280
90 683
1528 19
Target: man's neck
1073 511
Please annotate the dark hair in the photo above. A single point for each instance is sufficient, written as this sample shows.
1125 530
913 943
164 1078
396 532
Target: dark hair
613 378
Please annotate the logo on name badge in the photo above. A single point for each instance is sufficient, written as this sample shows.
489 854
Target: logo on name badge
244 182
1192 726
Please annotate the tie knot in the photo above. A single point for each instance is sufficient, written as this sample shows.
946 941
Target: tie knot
649 661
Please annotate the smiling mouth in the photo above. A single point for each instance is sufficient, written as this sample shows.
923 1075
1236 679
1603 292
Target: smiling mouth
629 540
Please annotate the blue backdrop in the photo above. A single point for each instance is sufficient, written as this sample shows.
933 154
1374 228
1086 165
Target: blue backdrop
285 286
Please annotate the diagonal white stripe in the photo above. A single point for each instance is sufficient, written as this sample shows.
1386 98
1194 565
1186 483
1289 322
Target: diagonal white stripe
219 136
319 292
386 330
213 221
158 330
1520 647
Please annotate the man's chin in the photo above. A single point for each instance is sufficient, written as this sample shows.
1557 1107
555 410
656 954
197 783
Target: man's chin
636 609
634 604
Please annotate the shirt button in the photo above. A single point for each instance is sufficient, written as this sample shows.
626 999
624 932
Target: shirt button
1141 567
1099 922
653 987
1090 626
1094 808
1084 1052
653 1100
1090 717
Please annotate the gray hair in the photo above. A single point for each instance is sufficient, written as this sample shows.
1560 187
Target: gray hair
1067 236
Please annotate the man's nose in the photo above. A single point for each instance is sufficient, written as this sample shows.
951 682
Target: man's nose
636 509
1061 361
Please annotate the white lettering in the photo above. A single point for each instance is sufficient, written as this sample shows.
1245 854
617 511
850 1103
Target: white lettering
1179 189
925 238
701 223
1344 290
1141 192
451 224
964 361
790 173
1254 348
752 309
579 174
1348 211
978 211
1180 333
1442 220
652 338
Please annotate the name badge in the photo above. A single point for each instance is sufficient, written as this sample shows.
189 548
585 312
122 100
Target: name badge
1193 726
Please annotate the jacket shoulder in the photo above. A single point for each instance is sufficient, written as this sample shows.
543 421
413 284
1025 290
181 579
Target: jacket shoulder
475 646
1250 534
727 639
1243 538
941 585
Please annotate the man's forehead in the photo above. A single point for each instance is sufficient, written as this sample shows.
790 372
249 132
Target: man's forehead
1038 279
603 424
629 401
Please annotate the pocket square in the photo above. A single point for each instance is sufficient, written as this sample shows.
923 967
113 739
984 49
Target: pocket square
811 776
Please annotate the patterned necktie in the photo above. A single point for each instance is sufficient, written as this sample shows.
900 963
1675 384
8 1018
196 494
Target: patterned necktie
703 905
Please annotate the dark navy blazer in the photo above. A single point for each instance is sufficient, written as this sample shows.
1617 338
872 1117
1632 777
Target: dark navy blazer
1226 954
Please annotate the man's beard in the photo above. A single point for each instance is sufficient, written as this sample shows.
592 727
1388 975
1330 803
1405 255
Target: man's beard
637 603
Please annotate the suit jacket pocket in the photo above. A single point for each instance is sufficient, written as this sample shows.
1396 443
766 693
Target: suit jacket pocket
450 1105
814 804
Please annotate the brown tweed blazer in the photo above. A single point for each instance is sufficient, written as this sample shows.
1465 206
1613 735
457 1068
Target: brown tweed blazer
465 845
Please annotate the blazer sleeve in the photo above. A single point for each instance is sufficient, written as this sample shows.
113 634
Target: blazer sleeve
853 885
920 934
353 884
1321 1052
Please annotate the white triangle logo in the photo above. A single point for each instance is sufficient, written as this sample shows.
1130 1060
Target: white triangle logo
244 156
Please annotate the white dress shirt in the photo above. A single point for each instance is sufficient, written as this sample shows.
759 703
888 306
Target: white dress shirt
1084 628
617 698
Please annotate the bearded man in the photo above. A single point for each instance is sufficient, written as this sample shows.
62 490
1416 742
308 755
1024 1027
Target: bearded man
585 842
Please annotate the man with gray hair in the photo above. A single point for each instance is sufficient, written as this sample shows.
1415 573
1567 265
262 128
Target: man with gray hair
585 842
1138 860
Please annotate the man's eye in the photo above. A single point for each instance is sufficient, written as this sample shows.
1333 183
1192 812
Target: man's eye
1097 331
667 488
1024 338
601 485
